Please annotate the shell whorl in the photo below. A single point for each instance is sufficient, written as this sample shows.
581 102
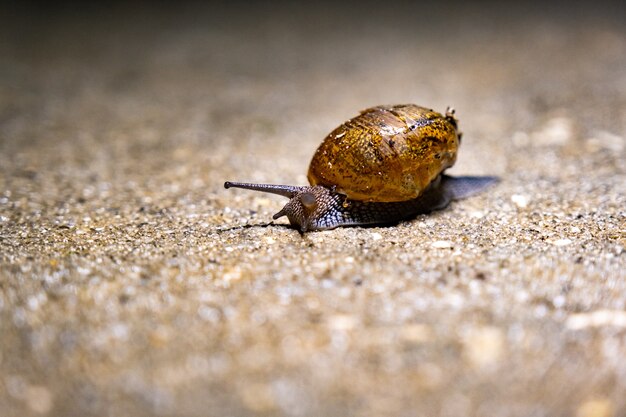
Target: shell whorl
386 154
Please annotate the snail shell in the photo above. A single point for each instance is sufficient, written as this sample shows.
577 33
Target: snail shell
386 154
382 166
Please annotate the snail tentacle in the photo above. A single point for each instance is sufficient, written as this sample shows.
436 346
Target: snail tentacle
284 190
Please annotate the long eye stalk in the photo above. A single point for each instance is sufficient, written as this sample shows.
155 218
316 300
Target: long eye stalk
288 191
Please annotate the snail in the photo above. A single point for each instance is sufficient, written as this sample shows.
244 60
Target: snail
382 166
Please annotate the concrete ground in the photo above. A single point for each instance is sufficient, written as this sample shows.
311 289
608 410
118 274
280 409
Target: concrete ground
133 284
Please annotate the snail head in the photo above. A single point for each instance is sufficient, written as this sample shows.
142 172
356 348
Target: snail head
306 204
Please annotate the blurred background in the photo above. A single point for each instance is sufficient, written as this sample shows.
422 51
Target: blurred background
264 74
132 283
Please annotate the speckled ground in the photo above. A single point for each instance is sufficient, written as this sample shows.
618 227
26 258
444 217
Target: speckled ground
133 284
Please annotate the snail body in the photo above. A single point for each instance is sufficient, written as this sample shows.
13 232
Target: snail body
382 166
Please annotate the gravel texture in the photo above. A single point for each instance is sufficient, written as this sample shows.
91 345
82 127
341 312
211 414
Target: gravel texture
133 284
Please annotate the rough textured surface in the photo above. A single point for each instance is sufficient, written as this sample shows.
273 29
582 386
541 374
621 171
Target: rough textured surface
132 283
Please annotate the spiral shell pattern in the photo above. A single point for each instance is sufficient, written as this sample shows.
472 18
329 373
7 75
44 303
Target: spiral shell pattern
386 154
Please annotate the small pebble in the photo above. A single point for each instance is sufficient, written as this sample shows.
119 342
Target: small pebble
38 399
558 301
484 346
519 200
596 408
605 140
342 322
556 131
561 242
442 244
258 397
232 274
416 333
598 318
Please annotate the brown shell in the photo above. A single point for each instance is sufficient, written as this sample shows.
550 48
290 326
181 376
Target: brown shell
387 153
